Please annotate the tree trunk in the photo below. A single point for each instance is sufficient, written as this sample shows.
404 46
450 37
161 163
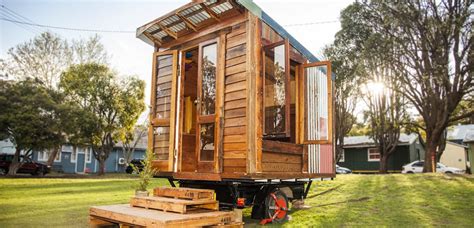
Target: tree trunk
15 165
383 164
53 155
101 167
430 156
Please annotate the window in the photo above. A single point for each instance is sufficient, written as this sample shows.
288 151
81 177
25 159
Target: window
276 90
418 164
374 154
67 148
42 156
88 155
74 154
343 156
207 104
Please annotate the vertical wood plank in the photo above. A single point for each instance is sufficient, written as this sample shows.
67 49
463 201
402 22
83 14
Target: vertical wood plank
220 80
258 95
251 94
173 110
152 105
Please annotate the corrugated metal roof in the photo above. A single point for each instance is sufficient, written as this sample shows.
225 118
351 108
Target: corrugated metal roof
366 141
197 15
459 132
469 137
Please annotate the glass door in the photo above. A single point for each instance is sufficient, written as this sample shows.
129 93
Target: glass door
206 107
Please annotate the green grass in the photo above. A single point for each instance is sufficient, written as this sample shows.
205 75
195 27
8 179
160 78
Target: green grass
349 200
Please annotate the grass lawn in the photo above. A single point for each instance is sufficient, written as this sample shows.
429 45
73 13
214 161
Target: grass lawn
349 200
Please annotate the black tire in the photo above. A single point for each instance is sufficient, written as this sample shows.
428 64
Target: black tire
3 172
449 172
279 206
410 172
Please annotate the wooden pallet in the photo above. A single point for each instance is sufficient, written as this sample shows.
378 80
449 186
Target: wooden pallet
173 205
184 193
126 215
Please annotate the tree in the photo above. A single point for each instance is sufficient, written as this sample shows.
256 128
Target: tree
435 59
346 59
386 114
346 89
131 140
25 118
113 107
43 58
432 55
89 51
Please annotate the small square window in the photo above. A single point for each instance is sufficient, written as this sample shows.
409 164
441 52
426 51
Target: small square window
373 154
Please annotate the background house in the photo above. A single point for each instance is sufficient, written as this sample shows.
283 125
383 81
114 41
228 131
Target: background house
361 156
454 155
469 141
81 160
457 133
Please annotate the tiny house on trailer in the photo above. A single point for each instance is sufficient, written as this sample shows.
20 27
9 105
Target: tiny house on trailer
238 105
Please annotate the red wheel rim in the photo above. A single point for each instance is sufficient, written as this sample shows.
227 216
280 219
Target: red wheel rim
278 207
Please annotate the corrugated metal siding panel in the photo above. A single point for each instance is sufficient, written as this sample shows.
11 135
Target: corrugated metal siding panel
326 159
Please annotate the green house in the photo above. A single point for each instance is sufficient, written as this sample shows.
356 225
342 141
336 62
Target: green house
361 156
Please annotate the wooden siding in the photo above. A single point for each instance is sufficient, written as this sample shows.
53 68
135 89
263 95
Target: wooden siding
235 108
281 157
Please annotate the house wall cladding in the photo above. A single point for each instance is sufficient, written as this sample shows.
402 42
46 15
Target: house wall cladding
66 165
356 159
235 101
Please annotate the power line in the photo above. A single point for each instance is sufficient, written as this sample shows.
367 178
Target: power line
10 14
26 28
66 28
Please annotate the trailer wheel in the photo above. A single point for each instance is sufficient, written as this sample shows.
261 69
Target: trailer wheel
276 207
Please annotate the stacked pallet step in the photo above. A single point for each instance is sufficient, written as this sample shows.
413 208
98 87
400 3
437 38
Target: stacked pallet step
168 207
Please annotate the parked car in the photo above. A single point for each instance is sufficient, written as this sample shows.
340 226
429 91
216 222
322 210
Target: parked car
137 163
342 170
31 167
417 167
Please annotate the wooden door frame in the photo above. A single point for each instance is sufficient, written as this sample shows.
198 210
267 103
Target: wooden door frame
213 118
181 100
168 122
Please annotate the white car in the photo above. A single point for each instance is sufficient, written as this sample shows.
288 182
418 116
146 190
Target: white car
417 167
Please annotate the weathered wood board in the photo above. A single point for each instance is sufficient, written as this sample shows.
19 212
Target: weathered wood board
173 205
128 215
184 193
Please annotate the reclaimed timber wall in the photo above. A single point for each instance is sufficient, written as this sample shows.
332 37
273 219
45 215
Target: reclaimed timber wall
234 142
281 157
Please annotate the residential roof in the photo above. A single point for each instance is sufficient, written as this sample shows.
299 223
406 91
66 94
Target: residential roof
469 137
459 132
200 14
366 141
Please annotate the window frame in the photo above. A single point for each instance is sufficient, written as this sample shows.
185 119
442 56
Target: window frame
372 159
75 152
265 49
42 156
211 118
303 111
343 156
88 155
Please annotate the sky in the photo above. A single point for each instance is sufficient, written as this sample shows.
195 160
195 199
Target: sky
131 56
